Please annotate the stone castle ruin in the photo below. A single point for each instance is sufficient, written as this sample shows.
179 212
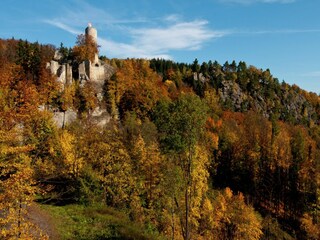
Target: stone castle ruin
96 72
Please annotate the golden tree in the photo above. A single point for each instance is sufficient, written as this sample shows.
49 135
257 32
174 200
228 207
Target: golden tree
86 48
17 188
234 219
71 161
111 163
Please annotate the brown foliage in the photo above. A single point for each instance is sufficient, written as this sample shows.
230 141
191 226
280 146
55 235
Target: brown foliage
85 49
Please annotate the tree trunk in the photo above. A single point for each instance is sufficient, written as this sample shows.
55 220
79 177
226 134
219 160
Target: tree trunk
187 214
19 219
187 197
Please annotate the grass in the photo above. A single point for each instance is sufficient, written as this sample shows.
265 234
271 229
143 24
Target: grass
95 223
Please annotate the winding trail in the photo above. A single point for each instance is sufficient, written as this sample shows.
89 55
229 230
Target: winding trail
43 220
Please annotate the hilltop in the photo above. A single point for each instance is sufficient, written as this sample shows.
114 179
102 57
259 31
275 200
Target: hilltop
183 151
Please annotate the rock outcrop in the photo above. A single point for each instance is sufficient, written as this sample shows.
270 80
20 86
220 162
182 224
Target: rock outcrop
95 73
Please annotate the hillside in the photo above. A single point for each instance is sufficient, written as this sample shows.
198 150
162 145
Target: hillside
181 151
241 88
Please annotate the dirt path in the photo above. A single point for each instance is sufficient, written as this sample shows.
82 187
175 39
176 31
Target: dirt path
43 220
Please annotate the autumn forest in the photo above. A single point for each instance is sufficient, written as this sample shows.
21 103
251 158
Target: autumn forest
190 151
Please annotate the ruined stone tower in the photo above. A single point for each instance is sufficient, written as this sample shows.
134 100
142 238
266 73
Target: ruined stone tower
92 32
95 73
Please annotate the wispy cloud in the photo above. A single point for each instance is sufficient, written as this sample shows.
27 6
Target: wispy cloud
155 42
62 26
314 74
157 37
248 2
181 35
171 32
124 50
77 13
274 31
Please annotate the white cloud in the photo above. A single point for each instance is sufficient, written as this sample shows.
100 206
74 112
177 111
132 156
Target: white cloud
80 12
181 35
154 42
147 41
172 18
123 50
276 31
247 2
315 74
63 26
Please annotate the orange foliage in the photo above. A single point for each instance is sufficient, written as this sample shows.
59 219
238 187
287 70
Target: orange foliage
212 128
237 116
85 49
136 79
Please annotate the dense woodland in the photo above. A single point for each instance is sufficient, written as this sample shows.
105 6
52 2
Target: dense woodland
192 151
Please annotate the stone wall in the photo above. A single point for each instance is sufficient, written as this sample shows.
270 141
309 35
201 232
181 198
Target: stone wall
62 119
62 71
96 73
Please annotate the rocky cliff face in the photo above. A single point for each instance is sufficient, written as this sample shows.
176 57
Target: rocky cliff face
287 103
244 88
232 93
85 73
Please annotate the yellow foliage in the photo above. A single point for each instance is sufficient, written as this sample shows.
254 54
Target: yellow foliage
85 49
281 149
212 100
171 224
146 162
312 229
136 77
228 217
17 190
67 97
89 94
111 162
207 219
199 186
72 163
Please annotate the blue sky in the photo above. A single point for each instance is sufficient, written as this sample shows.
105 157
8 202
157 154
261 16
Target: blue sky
282 35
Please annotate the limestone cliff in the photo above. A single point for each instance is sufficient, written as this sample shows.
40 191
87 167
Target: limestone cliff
95 73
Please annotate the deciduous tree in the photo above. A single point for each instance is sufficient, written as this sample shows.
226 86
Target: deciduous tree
85 49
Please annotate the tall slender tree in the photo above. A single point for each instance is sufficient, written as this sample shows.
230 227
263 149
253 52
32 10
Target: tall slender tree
180 125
